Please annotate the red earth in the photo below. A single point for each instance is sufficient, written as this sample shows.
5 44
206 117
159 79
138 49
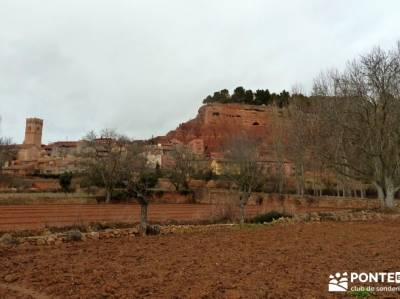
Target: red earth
13 217
281 261
37 216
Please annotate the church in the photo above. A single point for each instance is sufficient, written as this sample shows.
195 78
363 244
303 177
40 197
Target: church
35 158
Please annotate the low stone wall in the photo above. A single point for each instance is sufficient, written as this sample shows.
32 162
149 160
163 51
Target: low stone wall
48 238
341 216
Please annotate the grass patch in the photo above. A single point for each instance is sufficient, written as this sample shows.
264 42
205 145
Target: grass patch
361 294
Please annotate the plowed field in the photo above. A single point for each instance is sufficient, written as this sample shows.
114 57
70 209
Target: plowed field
292 261
13 217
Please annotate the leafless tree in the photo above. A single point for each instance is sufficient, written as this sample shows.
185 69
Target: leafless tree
298 147
279 147
359 118
7 151
244 167
103 159
185 164
140 179
298 90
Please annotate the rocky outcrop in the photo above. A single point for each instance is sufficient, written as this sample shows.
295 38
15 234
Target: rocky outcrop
215 123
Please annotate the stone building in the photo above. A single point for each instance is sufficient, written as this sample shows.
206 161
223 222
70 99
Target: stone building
35 158
31 148
205 135
210 131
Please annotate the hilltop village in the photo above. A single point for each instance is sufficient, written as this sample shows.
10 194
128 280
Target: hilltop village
207 136
204 135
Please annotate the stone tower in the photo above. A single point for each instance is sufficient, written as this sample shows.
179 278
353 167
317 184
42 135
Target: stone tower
33 131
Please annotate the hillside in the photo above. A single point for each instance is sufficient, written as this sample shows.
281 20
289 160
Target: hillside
216 122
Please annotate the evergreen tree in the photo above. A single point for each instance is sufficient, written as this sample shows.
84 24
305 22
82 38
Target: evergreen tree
262 97
239 95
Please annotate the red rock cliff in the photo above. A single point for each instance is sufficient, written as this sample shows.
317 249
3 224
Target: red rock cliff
215 122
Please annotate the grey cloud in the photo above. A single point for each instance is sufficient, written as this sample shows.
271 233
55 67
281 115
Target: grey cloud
143 67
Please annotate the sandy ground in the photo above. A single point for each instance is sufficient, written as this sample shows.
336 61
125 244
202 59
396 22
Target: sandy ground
283 261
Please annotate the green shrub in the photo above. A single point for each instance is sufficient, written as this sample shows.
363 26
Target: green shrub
120 195
65 181
267 217
74 235
361 294
153 230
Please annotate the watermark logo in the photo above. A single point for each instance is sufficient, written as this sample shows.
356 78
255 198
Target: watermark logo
364 281
338 282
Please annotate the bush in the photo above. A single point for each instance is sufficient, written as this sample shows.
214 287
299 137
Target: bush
74 235
153 230
65 180
120 195
267 217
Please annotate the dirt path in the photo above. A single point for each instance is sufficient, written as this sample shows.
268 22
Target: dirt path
292 261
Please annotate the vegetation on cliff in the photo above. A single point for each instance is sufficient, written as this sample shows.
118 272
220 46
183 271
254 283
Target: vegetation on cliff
243 96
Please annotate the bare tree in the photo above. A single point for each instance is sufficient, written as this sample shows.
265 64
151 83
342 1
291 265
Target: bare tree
7 151
140 180
299 142
297 90
279 146
103 159
185 164
359 119
244 167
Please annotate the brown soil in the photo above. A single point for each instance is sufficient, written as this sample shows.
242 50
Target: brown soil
14 217
282 261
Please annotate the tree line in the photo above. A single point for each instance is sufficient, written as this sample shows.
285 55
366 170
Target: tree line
351 123
243 96
346 133
114 162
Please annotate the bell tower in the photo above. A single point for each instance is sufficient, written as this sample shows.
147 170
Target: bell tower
33 131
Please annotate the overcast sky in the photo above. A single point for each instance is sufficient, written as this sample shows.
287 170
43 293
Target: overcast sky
143 67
